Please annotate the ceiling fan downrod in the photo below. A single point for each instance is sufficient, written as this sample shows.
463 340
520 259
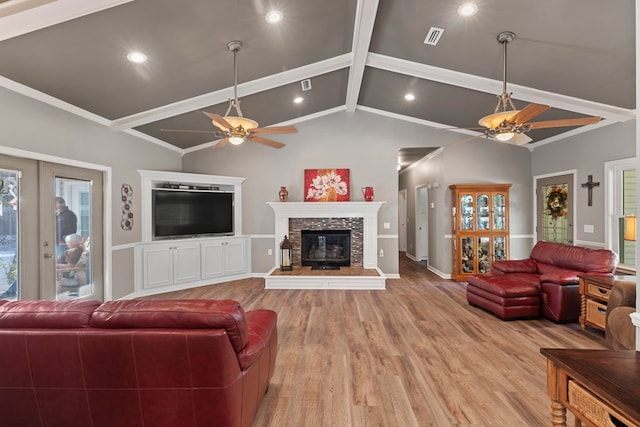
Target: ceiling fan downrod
504 99
235 46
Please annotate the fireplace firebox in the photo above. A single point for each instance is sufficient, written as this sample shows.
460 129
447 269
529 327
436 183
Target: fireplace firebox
325 248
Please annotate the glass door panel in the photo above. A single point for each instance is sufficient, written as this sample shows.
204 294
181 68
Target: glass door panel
73 238
499 248
483 212
499 217
554 215
466 212
9 234
484 261
467 248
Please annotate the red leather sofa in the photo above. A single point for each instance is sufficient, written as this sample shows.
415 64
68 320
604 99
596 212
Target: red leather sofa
134 363
544 284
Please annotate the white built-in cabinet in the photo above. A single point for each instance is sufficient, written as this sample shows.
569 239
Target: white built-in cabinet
166 265
191 262
223 257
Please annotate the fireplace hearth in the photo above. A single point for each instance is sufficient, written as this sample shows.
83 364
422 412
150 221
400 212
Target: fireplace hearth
324 249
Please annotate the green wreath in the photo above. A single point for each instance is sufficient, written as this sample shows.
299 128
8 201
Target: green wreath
557 202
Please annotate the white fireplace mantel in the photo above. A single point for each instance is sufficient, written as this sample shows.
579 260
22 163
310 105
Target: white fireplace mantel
368 211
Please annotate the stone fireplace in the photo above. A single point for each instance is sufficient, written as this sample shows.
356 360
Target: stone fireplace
360 218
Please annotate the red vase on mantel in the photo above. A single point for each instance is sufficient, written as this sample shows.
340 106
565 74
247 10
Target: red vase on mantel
284 194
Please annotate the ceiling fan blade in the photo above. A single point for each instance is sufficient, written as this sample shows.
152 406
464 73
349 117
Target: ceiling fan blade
221 143
462 141
189 130
218 119
265 141
564 122
275 129
528 113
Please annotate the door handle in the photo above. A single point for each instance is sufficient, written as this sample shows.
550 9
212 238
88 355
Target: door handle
48 255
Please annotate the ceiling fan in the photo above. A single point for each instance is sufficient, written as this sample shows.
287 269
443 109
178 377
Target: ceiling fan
508 123
237 129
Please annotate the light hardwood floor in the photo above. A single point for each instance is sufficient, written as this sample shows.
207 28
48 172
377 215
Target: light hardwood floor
414 355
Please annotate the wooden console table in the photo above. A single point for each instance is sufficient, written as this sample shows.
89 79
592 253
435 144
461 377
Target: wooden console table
594 297
600 387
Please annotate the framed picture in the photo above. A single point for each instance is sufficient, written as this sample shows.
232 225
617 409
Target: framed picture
326 185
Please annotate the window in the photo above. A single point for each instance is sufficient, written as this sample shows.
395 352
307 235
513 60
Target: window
621 209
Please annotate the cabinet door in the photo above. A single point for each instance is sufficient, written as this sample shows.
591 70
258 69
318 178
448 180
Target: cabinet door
467 254
484 251
157 264
499 211
212 259
235 257
483 212
186 263
499 248
466 211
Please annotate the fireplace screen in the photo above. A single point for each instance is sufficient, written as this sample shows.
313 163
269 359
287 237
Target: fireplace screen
325 248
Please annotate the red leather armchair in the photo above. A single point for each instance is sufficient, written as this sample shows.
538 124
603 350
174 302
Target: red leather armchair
134 363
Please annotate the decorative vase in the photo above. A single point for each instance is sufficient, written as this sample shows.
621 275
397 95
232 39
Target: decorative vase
284 194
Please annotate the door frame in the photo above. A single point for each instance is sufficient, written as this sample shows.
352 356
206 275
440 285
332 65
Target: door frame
402 220
422 223
572 172
106 203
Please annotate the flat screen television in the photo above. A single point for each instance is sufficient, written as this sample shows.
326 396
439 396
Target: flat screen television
191 213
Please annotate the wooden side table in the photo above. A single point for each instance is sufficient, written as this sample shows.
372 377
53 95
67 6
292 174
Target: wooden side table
600 387
594 296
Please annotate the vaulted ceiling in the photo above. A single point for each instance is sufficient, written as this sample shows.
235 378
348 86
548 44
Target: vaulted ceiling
577 56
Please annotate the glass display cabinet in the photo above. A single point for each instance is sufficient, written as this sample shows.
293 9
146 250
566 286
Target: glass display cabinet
480 227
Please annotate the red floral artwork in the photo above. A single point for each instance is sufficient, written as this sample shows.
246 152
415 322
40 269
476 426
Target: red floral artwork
326 185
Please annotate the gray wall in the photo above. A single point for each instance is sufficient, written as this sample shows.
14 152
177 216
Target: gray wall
365 143
33 126
476 161
587 154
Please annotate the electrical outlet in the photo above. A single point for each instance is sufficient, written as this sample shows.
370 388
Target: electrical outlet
381 253
269 251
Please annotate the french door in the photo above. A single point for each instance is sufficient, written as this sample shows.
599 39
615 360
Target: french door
50 231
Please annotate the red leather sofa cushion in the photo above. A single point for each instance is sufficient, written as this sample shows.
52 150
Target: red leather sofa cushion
516 266
176 314
46 314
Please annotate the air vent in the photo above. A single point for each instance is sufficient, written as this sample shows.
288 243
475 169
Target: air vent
306 84
433 36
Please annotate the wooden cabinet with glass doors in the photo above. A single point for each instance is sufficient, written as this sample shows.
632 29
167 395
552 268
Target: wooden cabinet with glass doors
480 227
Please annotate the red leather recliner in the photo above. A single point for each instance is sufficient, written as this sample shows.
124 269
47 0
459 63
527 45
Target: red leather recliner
553 268
134 363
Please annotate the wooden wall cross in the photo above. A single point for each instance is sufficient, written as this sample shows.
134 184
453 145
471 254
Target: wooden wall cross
590 184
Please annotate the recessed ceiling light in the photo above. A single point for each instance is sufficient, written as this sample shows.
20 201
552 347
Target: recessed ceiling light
467 9
298 99
273 17
409 97
137 57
